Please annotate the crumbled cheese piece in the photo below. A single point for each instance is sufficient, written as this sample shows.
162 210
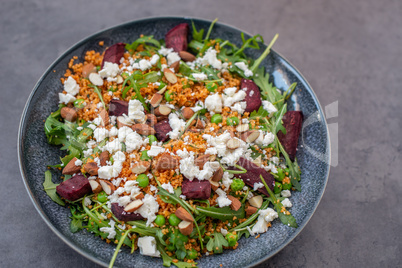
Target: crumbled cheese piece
110 70
265 217
210 58
165 51
286 203
239 107
113 132
133 142
155 150
124 200
226 180
112 146
78 162
224 231
168 187
200 76
176 124
231 96
182 197
149 209
258 185
147 246
187 166
110 230
87 201
222 200
136 111
154 60
66 98
71 86
242 66
172 57
123 132
214 103
144 65
286 193
100 134
269 107
88 152
108 172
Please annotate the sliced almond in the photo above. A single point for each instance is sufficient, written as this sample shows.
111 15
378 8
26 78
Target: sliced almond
107 186
161 118
162 90
187 56
87 69
236 204
151 119
95 79
95 186
170 76
162 110
258 161
242 128
141 167
233 144
183 214
156 99
119 79
139 196
143 129
70 114
200 124
217 175
122 122
133 206
91 168
103 157
250 136
105 117
214 184
250 210
186 227
187 112
201 160
71 168
256 201
175 66
214 164
166 161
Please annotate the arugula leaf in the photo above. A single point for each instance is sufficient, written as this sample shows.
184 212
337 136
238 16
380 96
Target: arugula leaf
50 188
210 29
251 219
223 214
197 35
75 225
168 261
217 243
142 41
258 61
99 93
294 170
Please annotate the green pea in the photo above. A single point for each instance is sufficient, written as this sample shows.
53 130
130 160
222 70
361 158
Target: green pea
216 119
192 254
160 220
281 174
211 86
232 121
102 197
174 220
232 239
143 180
286 186
79 103
152 139
168 96
277 187
171 247
144 155
237 184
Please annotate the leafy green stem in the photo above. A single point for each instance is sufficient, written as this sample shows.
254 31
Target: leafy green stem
264 54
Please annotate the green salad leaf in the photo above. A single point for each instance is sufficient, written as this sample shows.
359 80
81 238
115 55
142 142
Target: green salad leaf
50 188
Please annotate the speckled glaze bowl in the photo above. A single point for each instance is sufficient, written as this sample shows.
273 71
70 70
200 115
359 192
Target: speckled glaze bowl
34 152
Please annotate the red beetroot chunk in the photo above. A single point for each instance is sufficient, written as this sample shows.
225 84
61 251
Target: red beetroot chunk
74 188
122 215
162 129
292 121
114 53
176 38
118 107
253 175
196 189
253 95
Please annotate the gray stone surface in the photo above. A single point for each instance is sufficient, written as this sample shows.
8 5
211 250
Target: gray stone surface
349 51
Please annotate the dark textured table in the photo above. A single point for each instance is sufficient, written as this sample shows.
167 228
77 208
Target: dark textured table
349 51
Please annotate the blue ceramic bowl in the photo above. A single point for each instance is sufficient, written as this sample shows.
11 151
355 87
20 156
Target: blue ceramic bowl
34 152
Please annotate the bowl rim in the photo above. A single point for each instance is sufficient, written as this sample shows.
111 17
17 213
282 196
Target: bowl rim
145 19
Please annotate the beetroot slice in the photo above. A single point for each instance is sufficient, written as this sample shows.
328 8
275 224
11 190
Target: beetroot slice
114 53
176 38
292 121
253 175
196 189
122 215
74 188
118 107
253 95
162 128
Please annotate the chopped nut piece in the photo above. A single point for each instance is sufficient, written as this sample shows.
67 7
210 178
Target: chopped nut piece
166 161
250 135
141 167
242 128
256 201
107 186
187 56
122 122
183 214
170 76
217 175
71 168
187 112
233 143
87 69
201 160
156 99
105 117
96 79
95 185
236 204
133 206
103 157
162 110
186 227
143 129
250 210
91 168
70 114
175 66
151 119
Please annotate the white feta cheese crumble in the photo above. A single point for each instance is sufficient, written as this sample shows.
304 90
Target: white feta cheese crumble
200 76
100 134
210 58
66 98
78 162
242 66
214 103
110 230
147 246
71 86
164 51
176 124
87 201
112 146
222 200
144 65
168 187
286 193
231 96
155 150
258 185
172 57
269 107
224 231
110 70
265 217
286 203
149 209
154 60
136 111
